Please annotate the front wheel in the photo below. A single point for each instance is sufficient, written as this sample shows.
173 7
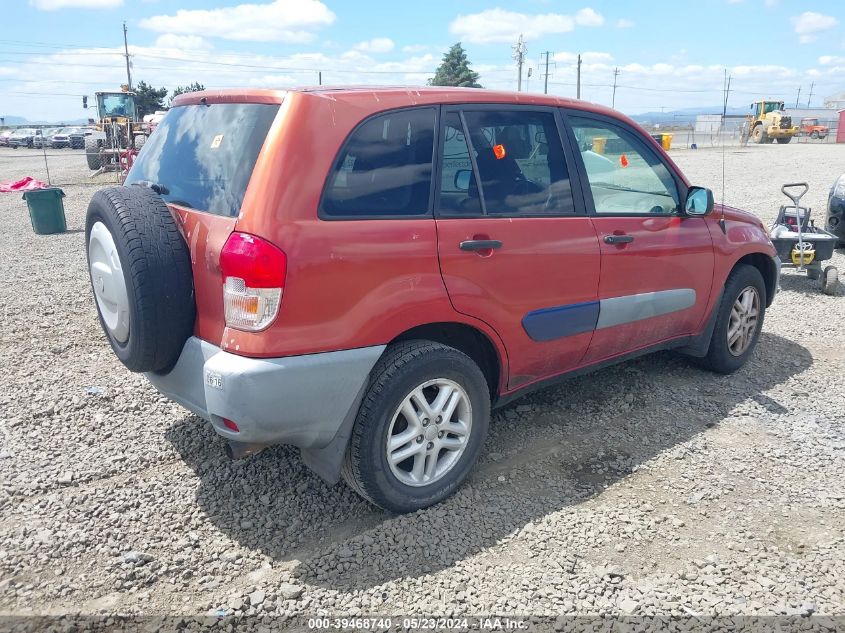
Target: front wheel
420 427
739 321
784 140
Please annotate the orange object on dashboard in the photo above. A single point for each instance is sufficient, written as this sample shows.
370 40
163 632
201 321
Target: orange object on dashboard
499 152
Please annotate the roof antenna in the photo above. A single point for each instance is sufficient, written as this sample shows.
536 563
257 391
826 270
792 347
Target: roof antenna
727 90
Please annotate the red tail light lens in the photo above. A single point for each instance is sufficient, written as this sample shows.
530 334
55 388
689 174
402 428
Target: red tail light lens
253 280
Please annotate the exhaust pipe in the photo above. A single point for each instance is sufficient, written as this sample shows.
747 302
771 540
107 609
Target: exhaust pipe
240 450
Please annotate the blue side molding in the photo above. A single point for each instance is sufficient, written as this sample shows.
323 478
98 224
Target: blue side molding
548 324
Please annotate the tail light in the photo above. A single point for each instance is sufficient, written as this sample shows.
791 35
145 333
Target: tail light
253 281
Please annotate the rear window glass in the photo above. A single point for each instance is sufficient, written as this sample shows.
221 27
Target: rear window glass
385 167
202 156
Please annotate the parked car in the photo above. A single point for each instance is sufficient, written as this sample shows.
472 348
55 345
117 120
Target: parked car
73 137
4 138
44 137
365 273
836 210
812 128
77 137
22 137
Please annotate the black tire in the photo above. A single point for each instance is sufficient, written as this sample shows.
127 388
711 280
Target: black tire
784 140
814 134
402 368
156 269
719 357
92 153
759 134
814 272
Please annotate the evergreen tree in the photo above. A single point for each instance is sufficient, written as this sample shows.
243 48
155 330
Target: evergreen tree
179 90
149 99
455 70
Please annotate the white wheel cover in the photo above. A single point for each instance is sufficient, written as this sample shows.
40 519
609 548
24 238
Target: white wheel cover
109 283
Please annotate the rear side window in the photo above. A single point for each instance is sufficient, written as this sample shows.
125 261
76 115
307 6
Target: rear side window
202 156
385 167
518 168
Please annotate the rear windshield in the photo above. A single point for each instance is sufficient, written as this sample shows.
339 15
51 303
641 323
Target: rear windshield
202 156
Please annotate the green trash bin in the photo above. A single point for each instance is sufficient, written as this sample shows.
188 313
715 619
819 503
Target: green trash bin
46 210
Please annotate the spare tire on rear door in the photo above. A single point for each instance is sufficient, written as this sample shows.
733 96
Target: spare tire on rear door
141 275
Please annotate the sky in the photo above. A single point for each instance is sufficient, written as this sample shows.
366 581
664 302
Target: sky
669 55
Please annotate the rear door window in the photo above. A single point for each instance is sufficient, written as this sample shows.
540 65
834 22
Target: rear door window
202 156
385 167
511 164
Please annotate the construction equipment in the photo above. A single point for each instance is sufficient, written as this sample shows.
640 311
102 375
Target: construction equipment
768 122
800 244
120 135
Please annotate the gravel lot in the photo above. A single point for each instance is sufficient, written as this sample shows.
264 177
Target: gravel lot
649 488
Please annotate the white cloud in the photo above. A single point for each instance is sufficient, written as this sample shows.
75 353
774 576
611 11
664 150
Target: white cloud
500 25
53 5
830 60
589 17
624 23
735 1
589 57
182 42
771 4
415 48
375 45
281 20
809 24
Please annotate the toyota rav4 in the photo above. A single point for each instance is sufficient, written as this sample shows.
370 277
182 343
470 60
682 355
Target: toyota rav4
364 273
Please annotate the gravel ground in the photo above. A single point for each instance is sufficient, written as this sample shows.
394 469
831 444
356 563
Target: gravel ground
652 488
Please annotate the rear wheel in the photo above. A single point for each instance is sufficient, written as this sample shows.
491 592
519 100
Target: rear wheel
739 321
814 135
92 153
814 271
420 427
784 140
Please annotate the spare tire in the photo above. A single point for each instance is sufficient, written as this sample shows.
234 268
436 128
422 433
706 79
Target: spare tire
140 270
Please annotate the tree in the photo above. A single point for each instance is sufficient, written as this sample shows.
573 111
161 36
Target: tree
149 99
180 90
455 70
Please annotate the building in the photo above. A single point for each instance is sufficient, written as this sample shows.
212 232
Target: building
835 102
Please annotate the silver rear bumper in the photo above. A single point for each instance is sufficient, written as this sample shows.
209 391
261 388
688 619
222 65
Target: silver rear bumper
298 400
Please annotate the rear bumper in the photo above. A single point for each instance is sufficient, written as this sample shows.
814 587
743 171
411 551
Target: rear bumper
298 400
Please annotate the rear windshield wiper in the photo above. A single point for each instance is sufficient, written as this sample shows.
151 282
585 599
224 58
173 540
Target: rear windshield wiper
157 187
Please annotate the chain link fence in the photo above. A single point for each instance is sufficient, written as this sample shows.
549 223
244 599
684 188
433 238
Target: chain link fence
52 154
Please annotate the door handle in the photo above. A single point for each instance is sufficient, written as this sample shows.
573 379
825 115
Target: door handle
479 245
618 239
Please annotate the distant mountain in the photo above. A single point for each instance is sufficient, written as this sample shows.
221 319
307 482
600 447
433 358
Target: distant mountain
10 119
685 115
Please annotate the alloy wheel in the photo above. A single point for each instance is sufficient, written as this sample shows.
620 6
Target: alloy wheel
429 432
743 320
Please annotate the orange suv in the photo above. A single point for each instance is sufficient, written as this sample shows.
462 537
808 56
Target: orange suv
365 272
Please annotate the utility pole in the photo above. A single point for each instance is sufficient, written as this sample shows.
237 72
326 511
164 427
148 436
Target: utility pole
810 98
319 77
613 99
126 50
798 98
519 56
546 74
578 94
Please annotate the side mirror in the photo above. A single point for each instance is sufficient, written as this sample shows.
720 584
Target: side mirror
699 201
462 179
